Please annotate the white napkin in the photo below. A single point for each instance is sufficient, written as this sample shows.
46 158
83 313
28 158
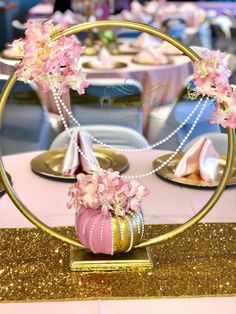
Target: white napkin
73 161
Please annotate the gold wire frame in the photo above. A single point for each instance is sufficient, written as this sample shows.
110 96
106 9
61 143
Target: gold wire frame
196 218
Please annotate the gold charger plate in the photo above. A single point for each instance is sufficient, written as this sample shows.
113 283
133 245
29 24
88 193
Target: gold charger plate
7 55
192 180
94 66
49 163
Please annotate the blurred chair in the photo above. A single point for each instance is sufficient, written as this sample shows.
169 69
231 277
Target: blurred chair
128 33
19 28
233 39
110 134
165 118
219 38
160 125
219 140
183 108
25 125
232 78
175 27
110 101
199 36
24 8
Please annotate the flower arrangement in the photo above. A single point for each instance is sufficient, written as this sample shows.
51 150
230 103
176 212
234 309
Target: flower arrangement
50 64
108 211
106 191
211 77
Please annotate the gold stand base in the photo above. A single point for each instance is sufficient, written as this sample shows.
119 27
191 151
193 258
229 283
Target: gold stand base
87 261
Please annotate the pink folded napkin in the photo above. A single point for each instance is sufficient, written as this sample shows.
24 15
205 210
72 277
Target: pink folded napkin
145 41
104 59
151 56
136 7
67 18
168 49
73 161
201 157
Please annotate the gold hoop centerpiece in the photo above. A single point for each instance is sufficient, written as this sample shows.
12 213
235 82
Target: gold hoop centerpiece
202 212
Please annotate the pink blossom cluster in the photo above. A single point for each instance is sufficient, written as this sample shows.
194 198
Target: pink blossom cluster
107 191
48 63
211 77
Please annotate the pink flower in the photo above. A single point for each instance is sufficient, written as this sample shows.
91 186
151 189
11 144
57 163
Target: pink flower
107 191
44 59
210 76
211 72
231 118
218 116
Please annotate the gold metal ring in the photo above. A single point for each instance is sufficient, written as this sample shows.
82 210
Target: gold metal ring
188 52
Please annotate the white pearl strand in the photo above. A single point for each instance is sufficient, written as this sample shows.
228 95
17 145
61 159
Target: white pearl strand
112 235
137 221
91 233
102 229
139 213
58 100
87 221
131 233
139 176
120 228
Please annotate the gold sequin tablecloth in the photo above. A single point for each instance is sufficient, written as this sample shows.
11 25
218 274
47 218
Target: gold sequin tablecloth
200 262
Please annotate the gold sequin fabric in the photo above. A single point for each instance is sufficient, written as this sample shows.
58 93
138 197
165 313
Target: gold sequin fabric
199 262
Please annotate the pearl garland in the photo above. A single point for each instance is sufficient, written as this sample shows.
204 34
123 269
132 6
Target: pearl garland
139 213
112 235
102 229
131 233
120 228
87 221
91 233
139 176
59 101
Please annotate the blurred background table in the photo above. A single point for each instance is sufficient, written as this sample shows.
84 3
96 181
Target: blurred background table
161 83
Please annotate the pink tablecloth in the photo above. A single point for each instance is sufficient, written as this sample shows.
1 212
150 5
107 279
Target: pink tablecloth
47 200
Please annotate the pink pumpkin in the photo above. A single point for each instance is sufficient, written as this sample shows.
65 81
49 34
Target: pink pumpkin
109 233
